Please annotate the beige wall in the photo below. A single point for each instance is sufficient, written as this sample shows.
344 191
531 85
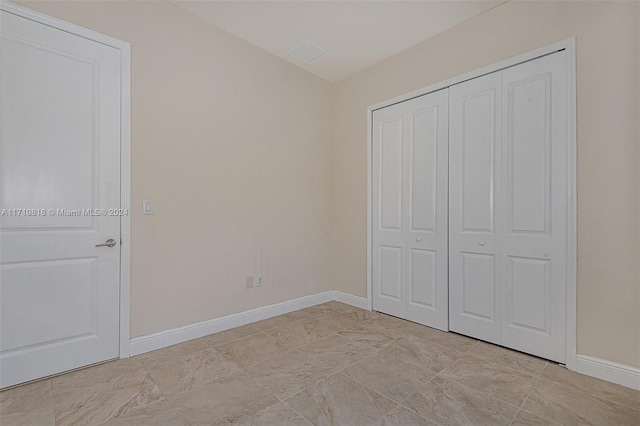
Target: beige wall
233 145
608 108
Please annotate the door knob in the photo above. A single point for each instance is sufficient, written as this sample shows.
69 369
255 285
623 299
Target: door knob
481 243
418 239
109 243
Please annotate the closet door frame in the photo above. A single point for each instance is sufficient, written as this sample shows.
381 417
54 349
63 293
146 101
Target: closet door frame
569 46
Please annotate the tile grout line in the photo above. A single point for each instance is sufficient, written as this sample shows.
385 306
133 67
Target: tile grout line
537 377
294 410
166 397
395 402
581 391
588 395
53 403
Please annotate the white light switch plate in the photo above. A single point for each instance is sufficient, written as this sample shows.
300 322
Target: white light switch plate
147 206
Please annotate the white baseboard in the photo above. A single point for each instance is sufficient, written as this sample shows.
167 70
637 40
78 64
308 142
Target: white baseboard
163 339
602 369
608 370
350 299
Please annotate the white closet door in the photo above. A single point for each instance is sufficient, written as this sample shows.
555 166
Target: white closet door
508 189
474 206
410 210
534 128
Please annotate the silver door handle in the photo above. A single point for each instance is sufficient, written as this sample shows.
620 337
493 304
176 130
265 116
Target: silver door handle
481 243
109 243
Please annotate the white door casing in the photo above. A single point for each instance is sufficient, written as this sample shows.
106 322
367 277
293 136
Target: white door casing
60 194
410 214
508 215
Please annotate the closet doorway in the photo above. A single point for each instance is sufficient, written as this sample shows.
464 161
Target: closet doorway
472 205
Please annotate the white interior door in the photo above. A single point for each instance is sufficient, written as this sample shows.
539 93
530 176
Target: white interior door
59 195
534 239
474 208
410 210
508 212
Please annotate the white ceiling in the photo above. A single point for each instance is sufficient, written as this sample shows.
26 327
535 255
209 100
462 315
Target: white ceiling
355 34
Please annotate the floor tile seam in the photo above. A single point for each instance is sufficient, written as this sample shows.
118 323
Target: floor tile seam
289 351
293 347
523 401
396 404
52 408
434 370
211 345
93 387
506 349
164 395
515 416
524 410
402 404
418 414
292 320
319 338
543 368
410 366
303 388
168 396
489 359
234 362
481 392
279 401
376 351
236 340
378 392
388 343
132 397
527 397
462 353
298 413
292 408
320 361
259 384
533 376
283 401
588 395
53 403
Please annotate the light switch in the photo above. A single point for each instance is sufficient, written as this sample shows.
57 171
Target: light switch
147 206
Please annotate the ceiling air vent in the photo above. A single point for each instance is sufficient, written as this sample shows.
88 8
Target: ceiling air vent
307 52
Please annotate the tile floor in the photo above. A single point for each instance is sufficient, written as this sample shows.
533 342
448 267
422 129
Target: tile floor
331 364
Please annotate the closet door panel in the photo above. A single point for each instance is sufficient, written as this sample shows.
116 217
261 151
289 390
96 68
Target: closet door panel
424 278
474 200
535 175
390 204
477 153
426 237
410 175
388 212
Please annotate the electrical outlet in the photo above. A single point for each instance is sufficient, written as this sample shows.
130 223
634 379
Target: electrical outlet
249 282
259 283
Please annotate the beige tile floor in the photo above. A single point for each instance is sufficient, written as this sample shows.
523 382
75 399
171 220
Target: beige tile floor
329 364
